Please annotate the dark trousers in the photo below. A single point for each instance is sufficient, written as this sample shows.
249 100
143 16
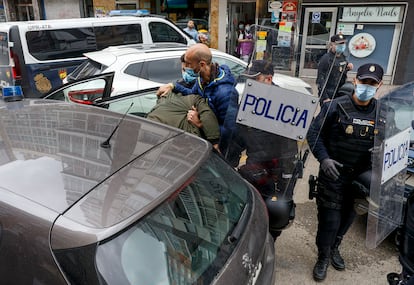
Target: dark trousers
336 212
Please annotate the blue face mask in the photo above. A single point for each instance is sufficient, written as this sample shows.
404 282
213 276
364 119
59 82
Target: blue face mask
189 75
340 48
365 92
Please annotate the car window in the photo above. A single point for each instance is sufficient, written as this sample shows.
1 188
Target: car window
142 104
162 32
60 44
118 35
235 67
186 238
155 70
134 69
4 45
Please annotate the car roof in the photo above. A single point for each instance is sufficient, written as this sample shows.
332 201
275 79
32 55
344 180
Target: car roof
86 20
51 155
109 55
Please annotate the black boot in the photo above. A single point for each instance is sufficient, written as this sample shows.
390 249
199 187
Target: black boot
336 259
321 266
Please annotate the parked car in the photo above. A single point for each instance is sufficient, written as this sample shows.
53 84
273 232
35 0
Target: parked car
37 54
140 68
89 196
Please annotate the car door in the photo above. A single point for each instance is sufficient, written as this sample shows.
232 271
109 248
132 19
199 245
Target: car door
137 103
84 91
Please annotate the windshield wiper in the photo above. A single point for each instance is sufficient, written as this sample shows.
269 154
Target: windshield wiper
241 224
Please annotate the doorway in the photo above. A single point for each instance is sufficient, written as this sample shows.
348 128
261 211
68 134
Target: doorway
237 12
318 27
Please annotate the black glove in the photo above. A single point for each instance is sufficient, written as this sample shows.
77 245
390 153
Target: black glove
328 166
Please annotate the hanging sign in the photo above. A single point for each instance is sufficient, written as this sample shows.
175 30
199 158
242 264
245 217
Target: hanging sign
274 6
289 6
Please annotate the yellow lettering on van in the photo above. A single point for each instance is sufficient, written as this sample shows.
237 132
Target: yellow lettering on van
43 84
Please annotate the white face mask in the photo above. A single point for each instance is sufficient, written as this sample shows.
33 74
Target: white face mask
365 92
340 48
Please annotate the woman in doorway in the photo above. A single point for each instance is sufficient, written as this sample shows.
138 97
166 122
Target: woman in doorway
245 44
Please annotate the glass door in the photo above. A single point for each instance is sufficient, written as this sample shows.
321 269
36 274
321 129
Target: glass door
244 12
318 27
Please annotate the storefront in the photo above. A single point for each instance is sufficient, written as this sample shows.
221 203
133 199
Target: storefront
376 31
373 31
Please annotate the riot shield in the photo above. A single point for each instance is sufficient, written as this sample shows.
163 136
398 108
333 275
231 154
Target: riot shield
390 157
268 127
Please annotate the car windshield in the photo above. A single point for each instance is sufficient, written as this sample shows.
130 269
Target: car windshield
186 239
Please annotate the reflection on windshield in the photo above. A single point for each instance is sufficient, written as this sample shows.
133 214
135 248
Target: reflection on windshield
185 239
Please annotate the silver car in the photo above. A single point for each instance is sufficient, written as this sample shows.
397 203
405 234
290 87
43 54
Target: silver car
89 196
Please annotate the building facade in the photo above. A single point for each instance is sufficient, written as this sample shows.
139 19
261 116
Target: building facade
378 31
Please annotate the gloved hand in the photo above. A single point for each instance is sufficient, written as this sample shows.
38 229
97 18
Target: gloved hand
328 166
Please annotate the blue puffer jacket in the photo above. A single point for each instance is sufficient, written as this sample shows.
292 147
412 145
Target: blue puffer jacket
222 97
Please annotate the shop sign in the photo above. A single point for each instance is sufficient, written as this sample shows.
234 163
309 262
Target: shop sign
362 45
273 6
289 6
372 14
316 17
346 29
275 17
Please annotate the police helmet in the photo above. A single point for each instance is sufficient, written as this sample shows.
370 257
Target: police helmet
281 212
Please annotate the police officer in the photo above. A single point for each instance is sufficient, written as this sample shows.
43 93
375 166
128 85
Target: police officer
341 137
332 68
270 161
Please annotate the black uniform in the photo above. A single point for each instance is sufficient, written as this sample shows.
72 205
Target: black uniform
338 74
346 135
270 166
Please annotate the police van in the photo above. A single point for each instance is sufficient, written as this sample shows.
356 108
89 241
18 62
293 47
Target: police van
37 55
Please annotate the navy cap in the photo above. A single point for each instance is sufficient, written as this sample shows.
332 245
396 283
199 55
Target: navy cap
371 71
339 38
258 67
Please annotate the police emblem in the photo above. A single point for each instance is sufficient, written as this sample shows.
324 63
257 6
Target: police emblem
349 129
43 84
372 68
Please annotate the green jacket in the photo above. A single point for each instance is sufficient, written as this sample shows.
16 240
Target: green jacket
172 110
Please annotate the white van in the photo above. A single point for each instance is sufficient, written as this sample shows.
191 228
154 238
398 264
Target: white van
37 54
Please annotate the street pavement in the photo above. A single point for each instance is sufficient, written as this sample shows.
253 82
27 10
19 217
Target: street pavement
296 252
